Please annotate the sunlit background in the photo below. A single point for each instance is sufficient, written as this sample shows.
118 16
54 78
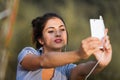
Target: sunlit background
15 29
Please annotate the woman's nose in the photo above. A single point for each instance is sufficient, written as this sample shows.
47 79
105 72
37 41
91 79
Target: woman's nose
58 34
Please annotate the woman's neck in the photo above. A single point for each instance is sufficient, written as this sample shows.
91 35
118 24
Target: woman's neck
46 50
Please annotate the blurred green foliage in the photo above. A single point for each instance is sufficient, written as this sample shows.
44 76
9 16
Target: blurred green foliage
76 14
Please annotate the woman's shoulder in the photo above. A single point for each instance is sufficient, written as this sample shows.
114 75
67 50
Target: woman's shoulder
27 50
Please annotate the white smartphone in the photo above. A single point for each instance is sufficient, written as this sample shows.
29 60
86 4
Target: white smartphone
97 28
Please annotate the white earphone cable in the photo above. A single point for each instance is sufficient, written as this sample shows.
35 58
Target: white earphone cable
93 68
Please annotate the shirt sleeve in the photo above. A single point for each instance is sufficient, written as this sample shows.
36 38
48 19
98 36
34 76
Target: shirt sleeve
69 67
25 51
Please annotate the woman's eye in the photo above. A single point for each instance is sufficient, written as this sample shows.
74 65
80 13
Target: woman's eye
62 29
50 31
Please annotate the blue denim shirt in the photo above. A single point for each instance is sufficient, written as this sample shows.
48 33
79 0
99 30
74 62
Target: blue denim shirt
60 73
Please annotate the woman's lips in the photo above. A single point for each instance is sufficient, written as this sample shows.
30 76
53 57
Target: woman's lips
58 40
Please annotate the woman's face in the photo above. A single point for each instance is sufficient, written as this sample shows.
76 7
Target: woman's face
54 35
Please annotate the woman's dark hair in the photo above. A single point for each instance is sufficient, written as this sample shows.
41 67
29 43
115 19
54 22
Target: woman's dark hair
38 25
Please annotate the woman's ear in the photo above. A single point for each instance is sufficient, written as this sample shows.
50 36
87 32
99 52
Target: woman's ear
41 41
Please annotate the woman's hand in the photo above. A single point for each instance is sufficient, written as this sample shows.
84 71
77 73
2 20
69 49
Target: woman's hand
104 55
89 46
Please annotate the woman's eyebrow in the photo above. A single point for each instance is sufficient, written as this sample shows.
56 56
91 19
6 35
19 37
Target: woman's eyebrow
61 26
49 28
54 27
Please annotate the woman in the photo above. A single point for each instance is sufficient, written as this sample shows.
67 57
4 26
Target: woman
48 62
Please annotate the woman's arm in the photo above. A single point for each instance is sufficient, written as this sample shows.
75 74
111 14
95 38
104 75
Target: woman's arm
54 59
49 60
103 56
83 69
